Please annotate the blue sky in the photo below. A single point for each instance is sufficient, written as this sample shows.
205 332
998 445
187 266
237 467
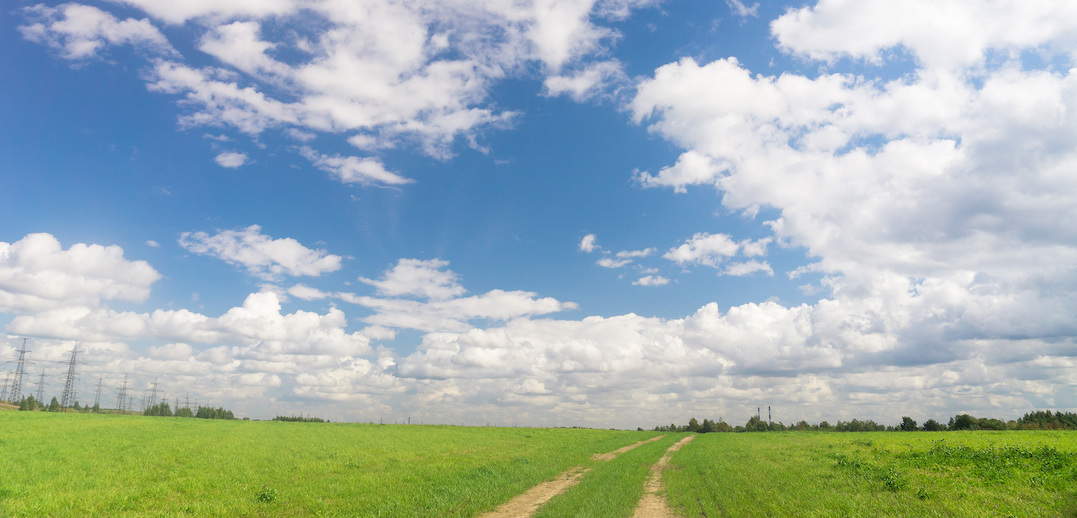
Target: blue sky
611 213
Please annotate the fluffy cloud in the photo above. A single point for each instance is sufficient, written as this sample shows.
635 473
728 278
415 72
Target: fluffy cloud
259 324
939 33
607 262
458 313
80 32
705 249
418 278
651 280
938 198
444 310
37 274
738 8
584 84
382 72
351 169
231 159
262 256
587 244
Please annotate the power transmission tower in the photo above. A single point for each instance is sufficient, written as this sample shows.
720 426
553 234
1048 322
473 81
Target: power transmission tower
121 398
41 388
153 393
68 397
97 398
20 370
7 378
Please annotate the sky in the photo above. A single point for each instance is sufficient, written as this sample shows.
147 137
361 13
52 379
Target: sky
607 213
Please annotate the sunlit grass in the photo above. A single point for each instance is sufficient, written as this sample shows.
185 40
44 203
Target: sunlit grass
83 465
877 474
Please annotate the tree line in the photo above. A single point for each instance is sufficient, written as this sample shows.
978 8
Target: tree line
299 419
30 404
203 412
1038 420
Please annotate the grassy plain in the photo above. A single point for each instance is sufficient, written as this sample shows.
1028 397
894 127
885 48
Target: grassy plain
948 474
103 465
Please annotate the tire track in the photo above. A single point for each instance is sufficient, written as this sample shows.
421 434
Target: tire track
527 503
652 505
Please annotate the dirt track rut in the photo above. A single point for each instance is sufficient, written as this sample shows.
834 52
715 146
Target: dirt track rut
527 503
652 505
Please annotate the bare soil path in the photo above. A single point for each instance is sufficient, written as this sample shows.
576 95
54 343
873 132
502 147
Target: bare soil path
652 505
613 454
528 503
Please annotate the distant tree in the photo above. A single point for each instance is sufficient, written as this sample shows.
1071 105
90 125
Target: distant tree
755 424
990 424
299 419
908 425
54 406
825 426
76 407
694 426
932 425
962 422
184 412
96 408
1047 420
28 403
213 413
709 426
158 410
802 425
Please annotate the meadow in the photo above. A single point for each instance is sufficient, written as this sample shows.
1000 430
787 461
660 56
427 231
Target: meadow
103 465
112 465
1013 473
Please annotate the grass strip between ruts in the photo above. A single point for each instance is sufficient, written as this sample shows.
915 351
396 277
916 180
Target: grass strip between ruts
612 488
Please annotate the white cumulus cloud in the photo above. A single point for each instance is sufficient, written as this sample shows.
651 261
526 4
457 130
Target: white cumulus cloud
37 273
231 159
262 256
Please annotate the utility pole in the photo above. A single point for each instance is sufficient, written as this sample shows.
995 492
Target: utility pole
97 398
121 398
41 389
68 397
20 370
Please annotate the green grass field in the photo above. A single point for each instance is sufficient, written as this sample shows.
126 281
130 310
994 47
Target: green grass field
110 465
877 474
100 465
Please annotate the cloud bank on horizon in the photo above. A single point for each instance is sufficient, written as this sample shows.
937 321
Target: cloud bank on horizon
908 169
